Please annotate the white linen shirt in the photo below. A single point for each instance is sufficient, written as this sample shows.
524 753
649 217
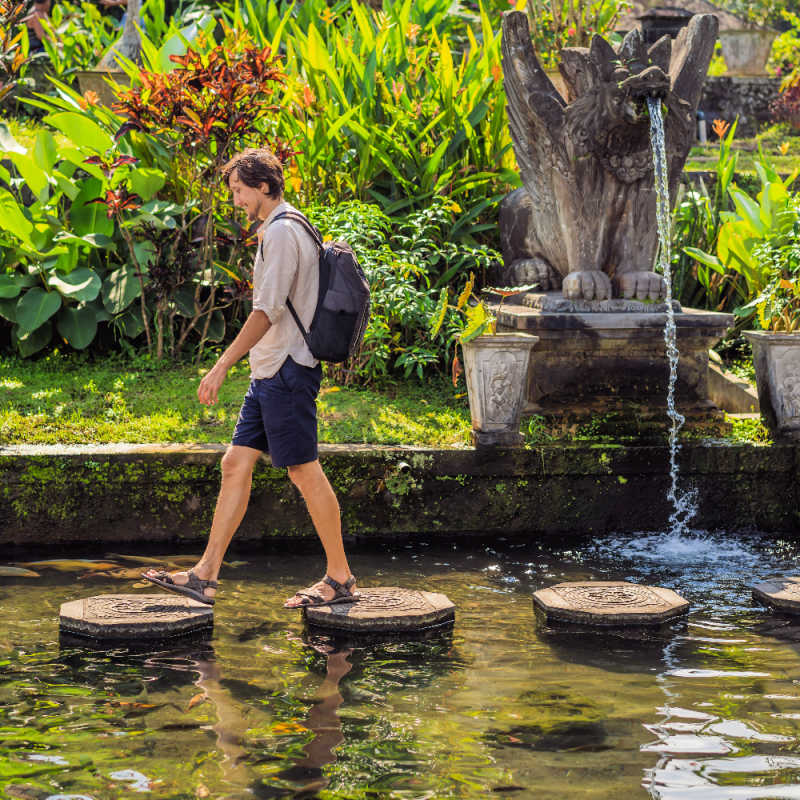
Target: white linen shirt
286 265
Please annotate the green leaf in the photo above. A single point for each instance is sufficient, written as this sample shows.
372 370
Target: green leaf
478 321
99 240
130 324
82 284
184 301
146 182
45 150
13 220
77 325
705 258
35 178
8 309
8 144
90 219
83 132
35 307
33 342
120 289
9 287
216 328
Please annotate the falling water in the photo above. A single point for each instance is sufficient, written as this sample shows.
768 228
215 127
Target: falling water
683 503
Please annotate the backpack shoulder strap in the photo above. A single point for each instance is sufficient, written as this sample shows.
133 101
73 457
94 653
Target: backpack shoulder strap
303 220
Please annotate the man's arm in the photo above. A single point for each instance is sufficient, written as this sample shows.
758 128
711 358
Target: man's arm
254 328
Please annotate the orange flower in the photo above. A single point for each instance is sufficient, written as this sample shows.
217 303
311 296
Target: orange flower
328 16
397 90
90 98
497 73
413 31
784 148
308 97
720 127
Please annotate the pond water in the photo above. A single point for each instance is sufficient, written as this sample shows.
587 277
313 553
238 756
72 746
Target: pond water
707 707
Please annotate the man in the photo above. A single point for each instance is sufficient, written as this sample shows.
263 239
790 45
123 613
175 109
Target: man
279 410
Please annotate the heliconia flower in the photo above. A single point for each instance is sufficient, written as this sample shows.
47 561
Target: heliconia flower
497 73
308 97
720 127
413 31
397 90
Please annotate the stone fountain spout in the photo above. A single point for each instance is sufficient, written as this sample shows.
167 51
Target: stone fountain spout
585 220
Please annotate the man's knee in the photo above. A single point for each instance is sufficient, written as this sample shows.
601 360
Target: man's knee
239 461
304 476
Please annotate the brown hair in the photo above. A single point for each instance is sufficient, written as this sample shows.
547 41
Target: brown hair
255 166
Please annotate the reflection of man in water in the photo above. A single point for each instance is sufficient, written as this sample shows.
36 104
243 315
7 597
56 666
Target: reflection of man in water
36 32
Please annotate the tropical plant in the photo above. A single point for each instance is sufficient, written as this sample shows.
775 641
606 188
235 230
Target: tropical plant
754 223
569 23
386 109
200 114
400 277
777 307
695 225
13 54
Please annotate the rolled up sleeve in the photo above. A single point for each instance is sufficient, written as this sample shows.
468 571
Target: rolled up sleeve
275 270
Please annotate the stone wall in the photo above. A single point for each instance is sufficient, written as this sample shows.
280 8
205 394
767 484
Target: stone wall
748 98
109 494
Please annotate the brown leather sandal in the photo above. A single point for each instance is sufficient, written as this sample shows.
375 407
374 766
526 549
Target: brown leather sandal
343 593
195 587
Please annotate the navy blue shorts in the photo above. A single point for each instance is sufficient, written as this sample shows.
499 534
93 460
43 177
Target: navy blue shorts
279 415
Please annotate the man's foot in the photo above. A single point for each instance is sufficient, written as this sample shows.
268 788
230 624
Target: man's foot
191 583
325 592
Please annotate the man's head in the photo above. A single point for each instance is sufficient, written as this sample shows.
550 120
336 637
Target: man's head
255 178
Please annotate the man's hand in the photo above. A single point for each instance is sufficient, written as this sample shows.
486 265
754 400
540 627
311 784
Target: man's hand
208 389
254 328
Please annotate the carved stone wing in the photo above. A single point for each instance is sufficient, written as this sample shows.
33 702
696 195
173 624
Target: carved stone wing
535 108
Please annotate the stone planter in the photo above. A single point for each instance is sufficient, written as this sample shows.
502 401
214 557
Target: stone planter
746 51
95 80
496 368
776 357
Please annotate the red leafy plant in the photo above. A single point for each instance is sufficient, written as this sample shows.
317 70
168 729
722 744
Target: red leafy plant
219 99
12 56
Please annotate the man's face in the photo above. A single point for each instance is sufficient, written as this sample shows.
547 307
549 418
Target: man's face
249 198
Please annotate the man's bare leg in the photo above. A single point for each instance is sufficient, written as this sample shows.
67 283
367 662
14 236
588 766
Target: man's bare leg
234 495
324 510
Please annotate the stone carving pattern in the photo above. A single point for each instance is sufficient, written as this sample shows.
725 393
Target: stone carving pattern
110 607
788 382
397 600
499 385
608 597
586 164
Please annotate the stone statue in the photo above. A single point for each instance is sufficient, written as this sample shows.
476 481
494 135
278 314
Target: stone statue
585 219
129 44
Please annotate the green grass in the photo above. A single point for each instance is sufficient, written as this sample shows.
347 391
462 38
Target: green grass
772 139
76 400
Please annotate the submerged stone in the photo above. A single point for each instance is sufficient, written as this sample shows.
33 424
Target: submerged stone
135 616
386 609
610 603
783 593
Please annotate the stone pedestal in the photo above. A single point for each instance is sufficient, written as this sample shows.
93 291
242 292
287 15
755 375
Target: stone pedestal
121 617
604 354
776 359
609 603
383 609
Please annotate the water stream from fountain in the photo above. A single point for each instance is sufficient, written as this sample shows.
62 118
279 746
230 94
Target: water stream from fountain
683 503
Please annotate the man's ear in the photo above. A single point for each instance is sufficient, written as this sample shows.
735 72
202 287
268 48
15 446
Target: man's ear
263 187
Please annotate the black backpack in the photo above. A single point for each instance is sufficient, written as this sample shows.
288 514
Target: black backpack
342 311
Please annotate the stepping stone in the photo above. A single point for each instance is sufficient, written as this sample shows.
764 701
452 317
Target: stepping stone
783 593
385 609
135 616
612 603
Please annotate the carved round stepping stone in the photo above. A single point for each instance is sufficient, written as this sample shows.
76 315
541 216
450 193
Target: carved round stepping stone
385 609
783 593
612 603
135 616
